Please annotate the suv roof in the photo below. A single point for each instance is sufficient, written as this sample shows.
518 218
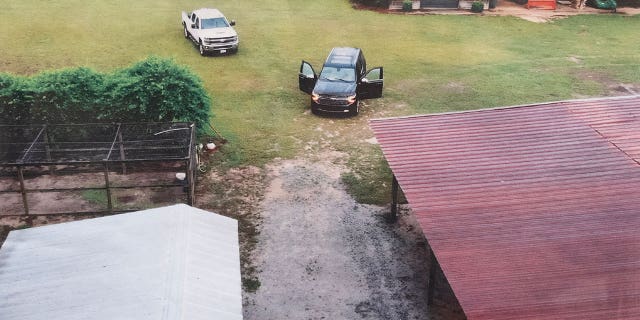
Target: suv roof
208 13
343 56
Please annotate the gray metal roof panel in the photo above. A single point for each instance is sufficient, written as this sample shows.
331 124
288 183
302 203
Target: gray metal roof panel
175 262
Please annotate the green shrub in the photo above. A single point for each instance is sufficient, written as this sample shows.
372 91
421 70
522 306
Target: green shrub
67 96
374 3
407 5
14 94
477 6
151 90
158 90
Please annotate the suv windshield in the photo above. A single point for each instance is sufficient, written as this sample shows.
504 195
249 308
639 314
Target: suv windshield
214 23
338 74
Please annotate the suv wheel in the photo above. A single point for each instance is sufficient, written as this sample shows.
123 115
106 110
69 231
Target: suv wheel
355 109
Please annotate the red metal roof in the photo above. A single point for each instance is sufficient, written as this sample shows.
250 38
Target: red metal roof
533 212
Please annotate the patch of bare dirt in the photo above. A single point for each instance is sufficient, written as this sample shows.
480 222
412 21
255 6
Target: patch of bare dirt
614 87
237 193
322 255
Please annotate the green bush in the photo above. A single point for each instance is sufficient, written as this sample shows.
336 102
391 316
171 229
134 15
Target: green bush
67 96
14 94
374 3
151 90
407 5
477 6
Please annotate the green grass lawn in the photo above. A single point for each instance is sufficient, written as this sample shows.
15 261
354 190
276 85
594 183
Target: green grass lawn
432 64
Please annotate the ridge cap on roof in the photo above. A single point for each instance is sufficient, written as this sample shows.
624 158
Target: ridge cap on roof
633 96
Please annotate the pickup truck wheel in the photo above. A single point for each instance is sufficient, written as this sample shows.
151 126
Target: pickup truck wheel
201 48
186 33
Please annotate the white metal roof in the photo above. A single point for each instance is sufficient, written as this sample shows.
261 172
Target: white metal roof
174 262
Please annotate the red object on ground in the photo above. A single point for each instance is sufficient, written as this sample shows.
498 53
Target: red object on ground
542 4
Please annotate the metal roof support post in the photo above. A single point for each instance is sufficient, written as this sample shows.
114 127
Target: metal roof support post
433 264
394 199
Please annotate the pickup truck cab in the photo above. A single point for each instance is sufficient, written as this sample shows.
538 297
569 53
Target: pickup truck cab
210 30
342 82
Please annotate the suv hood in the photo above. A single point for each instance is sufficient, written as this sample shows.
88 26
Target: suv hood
218 32
335 88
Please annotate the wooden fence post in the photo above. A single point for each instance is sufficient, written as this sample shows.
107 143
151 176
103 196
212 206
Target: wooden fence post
107 187
23 190
122 155
47 151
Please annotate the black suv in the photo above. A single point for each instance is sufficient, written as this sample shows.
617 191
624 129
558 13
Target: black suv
342 82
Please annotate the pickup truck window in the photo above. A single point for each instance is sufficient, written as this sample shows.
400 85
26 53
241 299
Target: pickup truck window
214 23
338 74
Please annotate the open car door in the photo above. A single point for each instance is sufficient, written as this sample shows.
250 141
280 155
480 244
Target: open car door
370 85
307 77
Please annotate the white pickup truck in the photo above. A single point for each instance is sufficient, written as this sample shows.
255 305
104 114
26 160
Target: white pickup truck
210 31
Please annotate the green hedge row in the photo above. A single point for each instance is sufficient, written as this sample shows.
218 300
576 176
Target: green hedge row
374 3
151 90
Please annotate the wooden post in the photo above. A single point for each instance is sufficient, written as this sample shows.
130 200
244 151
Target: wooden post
122 157
23 191
191 167
433 264
191 184
47 151
107 187
394 199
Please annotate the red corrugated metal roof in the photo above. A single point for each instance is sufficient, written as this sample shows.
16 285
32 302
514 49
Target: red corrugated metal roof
533 212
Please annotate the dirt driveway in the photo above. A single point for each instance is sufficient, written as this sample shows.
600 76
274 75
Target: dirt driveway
321 255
